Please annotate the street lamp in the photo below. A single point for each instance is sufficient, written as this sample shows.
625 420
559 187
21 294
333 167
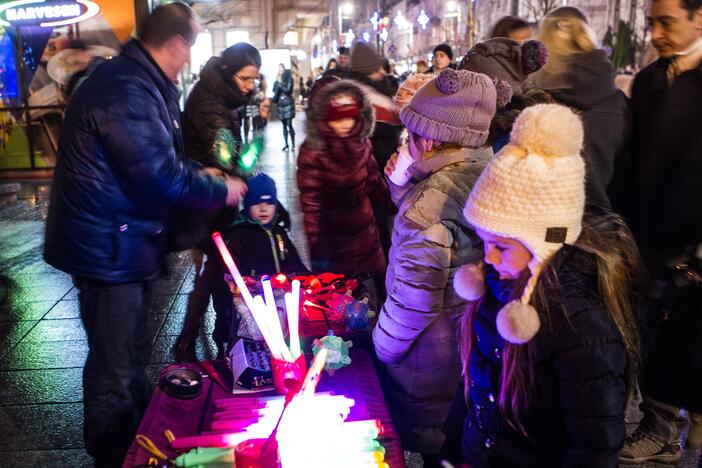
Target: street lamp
347 8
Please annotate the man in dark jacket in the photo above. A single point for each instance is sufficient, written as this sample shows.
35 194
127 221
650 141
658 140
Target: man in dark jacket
664 210
118 176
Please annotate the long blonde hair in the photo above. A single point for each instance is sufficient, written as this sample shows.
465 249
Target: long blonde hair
619 273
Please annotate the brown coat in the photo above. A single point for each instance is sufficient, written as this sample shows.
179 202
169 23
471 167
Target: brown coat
339 182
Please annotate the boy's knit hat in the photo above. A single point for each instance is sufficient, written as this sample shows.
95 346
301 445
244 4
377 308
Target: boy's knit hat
456 107
364 59
445 48
505 59
261 189
532 191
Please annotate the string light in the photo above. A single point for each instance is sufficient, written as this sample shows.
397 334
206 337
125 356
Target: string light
423 19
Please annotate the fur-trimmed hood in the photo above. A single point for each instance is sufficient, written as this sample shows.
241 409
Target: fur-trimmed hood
317 110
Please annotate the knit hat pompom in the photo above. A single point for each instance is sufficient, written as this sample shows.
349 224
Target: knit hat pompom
549 130
518 322
504 93
447 81
469 282
534 54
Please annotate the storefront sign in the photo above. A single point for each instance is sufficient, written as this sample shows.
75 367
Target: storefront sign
45 13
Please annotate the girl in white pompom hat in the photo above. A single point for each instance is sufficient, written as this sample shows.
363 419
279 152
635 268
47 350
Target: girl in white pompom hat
549 342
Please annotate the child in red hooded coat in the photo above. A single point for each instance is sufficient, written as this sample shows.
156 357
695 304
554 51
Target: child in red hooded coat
339 183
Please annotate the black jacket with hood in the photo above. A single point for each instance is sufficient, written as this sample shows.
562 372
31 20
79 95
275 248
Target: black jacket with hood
585 82
212 105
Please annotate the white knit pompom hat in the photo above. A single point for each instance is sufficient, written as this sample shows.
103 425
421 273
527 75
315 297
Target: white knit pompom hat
532 191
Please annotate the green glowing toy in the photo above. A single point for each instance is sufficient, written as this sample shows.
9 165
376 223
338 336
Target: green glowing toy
225 147
337 352
250 154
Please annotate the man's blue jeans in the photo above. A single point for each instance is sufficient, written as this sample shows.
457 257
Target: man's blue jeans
116 389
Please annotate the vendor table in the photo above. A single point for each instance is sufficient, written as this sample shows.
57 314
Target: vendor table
191 417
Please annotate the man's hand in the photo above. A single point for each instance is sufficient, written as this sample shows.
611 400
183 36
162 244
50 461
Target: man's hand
236 189
390 166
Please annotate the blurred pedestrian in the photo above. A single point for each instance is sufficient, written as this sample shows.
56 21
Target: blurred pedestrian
120 172
579 74
283 97
512 27
508 60
422 66
344 57
441 59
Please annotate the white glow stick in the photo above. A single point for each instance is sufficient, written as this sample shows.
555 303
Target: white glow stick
292 326
273 321
259 314
294 319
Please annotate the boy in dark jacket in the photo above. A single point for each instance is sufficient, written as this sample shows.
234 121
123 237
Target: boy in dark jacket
260 245
259 241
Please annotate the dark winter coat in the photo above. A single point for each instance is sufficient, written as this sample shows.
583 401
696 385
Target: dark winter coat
416 332
575 416
258 250
663 204
339 181
120 172
212 105
283 96
585 82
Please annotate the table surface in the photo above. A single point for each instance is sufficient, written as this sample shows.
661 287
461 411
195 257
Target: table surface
191 417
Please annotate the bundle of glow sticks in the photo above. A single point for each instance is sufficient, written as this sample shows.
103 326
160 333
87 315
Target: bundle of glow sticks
264 310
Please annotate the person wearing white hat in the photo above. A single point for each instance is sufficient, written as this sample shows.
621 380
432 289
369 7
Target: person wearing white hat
549 343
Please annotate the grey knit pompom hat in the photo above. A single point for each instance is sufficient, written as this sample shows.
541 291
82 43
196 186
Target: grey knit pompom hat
456 107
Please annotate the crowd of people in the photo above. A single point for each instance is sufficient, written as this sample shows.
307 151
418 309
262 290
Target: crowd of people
532 237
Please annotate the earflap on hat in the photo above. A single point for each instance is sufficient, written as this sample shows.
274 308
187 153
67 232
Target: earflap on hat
469 282
518 321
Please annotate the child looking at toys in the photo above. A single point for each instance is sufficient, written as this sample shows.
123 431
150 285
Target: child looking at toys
260 245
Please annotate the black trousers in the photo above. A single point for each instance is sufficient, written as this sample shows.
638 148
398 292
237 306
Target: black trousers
116 389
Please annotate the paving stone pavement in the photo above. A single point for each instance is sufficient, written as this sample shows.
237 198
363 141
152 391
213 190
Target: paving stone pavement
44 345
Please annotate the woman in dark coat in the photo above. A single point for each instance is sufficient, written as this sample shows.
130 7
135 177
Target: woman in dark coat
212 104
226 83
338 179
581 76
283 97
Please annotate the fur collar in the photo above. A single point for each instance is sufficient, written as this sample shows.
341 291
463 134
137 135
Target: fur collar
317 111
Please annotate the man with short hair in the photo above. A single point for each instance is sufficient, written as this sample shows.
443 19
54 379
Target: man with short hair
120 172
663 204
344 57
